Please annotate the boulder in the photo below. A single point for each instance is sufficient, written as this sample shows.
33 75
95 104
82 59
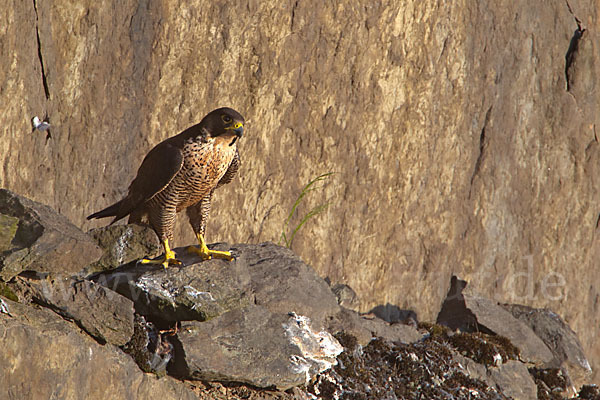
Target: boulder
196 290
365 328
123 244
34 237
560 339
45 357
282 282
470 312
509 377
264 274
513 380
255 346
101 312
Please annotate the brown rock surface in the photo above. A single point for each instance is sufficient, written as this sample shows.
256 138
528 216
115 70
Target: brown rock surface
457 147
34 237
60 363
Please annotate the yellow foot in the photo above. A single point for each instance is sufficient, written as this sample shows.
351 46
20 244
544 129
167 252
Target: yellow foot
168 259
165 261
206 254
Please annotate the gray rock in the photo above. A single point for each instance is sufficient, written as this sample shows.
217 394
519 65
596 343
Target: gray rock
365 328
46 357
255 346
346 296
264 274
123 244
197 290
33 237
513 380
102 313
468 311
282 282
560 339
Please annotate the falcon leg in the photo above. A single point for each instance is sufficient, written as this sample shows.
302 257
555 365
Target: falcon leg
206 254
168 259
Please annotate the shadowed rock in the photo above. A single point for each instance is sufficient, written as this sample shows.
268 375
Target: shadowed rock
33 237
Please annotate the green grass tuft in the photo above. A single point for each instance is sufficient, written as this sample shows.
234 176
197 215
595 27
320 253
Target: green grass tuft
288 239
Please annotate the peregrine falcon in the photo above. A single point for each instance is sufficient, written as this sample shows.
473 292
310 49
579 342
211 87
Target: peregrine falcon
179 173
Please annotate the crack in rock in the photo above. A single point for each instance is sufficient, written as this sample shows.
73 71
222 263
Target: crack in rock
573 47
39 48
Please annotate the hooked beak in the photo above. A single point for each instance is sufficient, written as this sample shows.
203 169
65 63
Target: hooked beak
238 128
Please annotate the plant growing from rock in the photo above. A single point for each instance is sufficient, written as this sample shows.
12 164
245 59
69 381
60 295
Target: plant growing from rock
288 238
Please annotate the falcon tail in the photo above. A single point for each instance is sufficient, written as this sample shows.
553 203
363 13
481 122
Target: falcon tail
110 211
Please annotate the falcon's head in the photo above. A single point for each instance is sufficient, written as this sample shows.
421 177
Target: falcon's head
224 121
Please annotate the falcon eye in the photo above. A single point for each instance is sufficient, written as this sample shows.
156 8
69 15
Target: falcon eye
226 118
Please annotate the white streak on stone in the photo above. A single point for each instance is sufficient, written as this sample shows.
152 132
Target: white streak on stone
319 349
149 285
119 248
497 359
197 294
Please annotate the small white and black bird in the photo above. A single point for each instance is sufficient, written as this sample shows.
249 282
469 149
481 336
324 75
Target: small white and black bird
41 125
4 308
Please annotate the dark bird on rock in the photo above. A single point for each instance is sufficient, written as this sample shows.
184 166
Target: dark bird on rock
180 173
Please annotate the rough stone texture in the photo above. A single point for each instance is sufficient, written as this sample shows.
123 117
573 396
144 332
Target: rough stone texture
247 345
102 313
264 274
123 244
44 357
195 291
559 338
470 312
456 144
364 329
36 238
346 296
283 283
513 380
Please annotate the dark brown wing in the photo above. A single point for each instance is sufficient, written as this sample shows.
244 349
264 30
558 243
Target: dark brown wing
159 167
231 171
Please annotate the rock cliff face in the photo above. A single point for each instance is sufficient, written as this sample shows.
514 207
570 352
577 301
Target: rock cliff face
463 137
263 325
